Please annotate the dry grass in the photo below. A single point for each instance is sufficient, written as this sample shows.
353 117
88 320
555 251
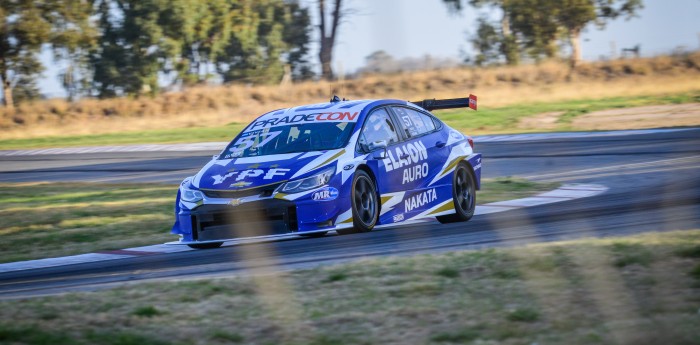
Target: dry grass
496 87
632 290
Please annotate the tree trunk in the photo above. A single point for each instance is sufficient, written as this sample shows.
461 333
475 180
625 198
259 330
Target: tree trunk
509 46
7 94
575 40
327 40
505 25
326 56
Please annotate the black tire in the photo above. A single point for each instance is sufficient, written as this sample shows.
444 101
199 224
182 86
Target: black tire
209 245
463 195
365 204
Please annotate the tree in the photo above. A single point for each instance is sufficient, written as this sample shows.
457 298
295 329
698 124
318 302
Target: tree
536 26
25 27
297 36
327 39
75 36
535 23
207 32
266 35
380 62
503 41
139 39
543 22
576 14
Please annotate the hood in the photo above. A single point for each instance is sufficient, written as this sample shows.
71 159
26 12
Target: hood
251 172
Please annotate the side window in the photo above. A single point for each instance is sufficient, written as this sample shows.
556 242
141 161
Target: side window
378 127
415 122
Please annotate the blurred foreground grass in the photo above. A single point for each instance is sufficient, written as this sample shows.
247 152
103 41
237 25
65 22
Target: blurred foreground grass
643 289
39 220
486 121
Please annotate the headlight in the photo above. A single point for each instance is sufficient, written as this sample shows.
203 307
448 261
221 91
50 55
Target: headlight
318 180
190 195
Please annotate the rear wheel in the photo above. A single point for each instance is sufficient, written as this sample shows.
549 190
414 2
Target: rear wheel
209 245
463 195
365 204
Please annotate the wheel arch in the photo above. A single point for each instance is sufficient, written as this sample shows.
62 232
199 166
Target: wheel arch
468 164
373 176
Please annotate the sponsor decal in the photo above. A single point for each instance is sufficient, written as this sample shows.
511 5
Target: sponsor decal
456 135
348 166
327 116
243 174
477 167
420 200
398 217
327 193
404 155
415 172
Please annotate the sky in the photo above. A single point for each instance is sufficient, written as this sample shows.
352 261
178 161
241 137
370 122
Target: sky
415 28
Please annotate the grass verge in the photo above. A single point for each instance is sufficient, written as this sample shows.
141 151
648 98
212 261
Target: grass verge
39 220
505 119
159 136
485 121
556 293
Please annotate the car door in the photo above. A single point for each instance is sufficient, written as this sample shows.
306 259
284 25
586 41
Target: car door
380 126
422 156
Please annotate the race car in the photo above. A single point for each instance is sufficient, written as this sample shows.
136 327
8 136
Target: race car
343 166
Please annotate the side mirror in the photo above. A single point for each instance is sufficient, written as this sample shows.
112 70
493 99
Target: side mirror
378 149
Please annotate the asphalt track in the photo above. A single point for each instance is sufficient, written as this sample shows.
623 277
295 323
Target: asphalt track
653 180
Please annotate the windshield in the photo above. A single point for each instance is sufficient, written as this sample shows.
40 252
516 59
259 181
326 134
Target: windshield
293 138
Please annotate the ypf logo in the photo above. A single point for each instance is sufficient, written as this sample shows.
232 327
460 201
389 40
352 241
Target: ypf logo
328 193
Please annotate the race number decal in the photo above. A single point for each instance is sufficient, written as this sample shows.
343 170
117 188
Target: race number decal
254 140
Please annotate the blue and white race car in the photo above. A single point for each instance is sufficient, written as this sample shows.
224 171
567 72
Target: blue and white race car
344 166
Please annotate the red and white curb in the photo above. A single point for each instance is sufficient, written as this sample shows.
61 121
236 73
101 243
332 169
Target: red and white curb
218 146
565 193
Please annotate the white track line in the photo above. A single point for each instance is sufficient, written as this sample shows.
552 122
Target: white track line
565 193
218 146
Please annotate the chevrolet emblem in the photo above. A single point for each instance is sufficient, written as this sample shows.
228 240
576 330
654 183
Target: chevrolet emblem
234 202
241 184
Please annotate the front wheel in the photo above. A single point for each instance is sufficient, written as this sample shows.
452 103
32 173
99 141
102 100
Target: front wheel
208 245
365 204
463 195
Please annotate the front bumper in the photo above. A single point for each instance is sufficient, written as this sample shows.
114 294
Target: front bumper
221 222
262 217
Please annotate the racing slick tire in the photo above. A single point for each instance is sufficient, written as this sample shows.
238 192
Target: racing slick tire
209 245
463 195
365 204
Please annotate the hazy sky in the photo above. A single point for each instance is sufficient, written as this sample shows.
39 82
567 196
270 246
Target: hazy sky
414 28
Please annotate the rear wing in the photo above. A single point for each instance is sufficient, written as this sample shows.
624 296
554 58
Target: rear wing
438 104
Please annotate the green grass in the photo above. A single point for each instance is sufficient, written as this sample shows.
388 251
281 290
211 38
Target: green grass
505 119
523 315
147 311
563 293
506 188
631 254
485 121
157 136
40 220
